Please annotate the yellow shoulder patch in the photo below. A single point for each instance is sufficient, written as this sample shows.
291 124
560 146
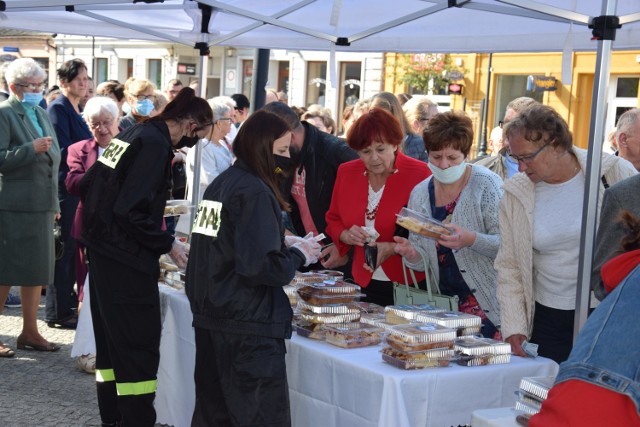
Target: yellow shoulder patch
113 153
207 220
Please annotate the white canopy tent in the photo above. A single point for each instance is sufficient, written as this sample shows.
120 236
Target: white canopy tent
433 26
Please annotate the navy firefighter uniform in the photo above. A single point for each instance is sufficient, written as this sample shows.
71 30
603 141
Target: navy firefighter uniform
238 264
124 196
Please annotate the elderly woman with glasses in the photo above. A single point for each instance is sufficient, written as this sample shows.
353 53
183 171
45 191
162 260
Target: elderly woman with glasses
29 159
216 156
101 114
537 262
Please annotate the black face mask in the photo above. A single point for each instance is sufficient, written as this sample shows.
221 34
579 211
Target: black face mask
187 141
283 164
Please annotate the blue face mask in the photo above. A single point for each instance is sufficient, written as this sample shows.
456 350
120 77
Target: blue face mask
33 99
512 166
448 175
144 108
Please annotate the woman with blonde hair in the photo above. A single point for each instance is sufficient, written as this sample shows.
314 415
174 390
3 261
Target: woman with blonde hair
140 97
419 110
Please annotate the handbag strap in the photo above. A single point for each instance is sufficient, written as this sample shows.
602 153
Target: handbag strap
429 277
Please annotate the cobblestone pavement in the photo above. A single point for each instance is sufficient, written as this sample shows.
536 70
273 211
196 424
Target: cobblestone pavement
42 389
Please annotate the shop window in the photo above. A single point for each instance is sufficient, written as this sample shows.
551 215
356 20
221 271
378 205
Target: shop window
283 76
316 82
154 71
101 71
247 77
508 88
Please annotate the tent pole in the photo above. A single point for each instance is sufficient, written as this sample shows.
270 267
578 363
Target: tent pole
260 78
592 174
202 84
482 147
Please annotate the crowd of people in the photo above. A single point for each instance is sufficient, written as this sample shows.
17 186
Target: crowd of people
104 165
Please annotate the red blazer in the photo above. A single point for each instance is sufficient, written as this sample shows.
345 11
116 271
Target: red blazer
80 157
349 203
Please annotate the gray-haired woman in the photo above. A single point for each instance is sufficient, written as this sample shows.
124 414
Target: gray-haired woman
216 155
29 160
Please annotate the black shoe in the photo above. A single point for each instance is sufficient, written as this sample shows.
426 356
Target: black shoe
70 322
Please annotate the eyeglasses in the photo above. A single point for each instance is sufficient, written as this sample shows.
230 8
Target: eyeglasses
529 157
32 86
143 97
224 119
96 125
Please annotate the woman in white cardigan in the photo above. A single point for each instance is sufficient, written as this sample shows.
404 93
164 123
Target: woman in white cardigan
540 225
466 198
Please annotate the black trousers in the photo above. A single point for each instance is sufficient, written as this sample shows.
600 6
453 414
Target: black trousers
65 272
241 380
125 307
553 332
379 292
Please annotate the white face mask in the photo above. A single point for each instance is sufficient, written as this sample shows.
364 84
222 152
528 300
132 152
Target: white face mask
448 175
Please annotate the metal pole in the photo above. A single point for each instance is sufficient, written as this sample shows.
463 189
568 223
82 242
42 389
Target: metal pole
260 78
592 177
482 146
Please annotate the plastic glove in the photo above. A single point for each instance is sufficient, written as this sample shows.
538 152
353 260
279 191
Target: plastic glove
310 249
179 253
289 241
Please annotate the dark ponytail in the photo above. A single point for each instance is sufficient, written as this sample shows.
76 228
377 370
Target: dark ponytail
186 105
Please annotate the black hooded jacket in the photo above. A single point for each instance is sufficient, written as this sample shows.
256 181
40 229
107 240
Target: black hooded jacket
321 155
238 262
124 194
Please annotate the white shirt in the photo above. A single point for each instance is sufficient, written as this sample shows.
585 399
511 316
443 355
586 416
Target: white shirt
557 219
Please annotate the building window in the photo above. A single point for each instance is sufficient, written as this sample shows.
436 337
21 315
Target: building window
508 88
283 76
316 82
102 70
247 77
44 63
155 72
623 95
129 68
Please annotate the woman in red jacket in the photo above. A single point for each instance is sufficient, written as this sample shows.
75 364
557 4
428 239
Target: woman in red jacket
369 192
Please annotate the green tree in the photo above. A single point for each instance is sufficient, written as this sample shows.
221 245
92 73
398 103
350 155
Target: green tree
429 72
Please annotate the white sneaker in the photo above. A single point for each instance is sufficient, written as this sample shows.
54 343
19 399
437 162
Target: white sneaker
87 363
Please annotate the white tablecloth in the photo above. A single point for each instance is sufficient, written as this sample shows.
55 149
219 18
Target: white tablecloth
330 386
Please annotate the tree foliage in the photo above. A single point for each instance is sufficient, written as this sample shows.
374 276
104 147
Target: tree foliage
428 72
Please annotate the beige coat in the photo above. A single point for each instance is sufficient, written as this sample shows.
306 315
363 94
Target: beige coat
514 262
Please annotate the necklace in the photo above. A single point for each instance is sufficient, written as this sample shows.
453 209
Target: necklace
373 202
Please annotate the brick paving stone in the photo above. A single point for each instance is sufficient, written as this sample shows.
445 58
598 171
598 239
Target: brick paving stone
43 389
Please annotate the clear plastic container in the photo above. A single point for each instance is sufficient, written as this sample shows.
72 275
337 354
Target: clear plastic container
175 279
177 207
332 274
292 293
351 335
313 331
309 277
439 358
421 224
368 307
484 359
376 319
477 346
328 308
330 292
400 314
328 317
420 336
537 386
451 319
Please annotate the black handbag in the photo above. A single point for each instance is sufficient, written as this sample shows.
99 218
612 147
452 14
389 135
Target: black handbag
59 241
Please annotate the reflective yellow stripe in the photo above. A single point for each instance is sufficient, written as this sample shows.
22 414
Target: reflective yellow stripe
134 389
104 375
